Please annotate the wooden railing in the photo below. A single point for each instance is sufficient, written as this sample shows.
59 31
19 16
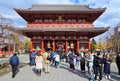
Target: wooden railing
59 25
6 52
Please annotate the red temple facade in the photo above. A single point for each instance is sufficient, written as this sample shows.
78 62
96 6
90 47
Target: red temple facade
61 26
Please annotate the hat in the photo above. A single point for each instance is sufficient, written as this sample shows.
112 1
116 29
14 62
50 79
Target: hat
15 53
98 54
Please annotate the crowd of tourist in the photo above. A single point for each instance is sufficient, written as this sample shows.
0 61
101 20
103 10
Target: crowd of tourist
96 64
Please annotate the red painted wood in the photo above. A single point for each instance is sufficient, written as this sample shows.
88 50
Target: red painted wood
60 25
31 45
66 45
43 45
89 45
78 46
53 45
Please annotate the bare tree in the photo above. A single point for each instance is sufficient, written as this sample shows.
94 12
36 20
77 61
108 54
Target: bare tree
6 28
8 33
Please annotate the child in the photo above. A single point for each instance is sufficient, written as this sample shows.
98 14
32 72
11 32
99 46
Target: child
107 64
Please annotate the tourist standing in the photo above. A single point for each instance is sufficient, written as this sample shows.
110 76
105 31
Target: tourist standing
107 63
57 60
82 62
33 56
118 62
46 62
30 58
38 61
99 66
52 59
71 60
78 58
67 54
90 65
94 61
14 62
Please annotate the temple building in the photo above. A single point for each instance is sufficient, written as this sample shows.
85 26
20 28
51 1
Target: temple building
61 26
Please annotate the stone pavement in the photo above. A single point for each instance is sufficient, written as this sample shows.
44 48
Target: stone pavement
62 73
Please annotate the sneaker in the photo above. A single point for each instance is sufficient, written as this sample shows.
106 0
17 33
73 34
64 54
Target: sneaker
109 77
13 76
106 77
95 80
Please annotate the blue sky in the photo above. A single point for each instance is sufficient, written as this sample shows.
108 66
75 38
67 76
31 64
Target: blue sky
111 17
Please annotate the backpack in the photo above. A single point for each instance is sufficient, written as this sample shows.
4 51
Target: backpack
14 60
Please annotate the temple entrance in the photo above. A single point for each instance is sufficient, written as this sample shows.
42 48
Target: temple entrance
57 30
36 43
60 44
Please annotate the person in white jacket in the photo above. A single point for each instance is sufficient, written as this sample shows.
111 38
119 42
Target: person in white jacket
39 61
57 60
90 59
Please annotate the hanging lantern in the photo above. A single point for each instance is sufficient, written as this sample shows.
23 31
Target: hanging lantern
48 44
72 45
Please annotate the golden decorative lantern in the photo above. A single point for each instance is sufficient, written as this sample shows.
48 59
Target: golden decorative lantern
48 44
72 45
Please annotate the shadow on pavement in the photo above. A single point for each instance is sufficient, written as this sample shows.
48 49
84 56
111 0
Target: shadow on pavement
115 75
17 71
34 70
77 72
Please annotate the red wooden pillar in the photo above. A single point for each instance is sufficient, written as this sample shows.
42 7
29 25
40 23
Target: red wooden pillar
78 46
53 45
31 45
88 44
42 44
66 45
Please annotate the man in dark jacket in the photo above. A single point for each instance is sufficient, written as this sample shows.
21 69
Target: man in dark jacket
98 64
14 62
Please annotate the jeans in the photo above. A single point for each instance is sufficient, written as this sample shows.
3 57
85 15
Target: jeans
47 68
77 63
56 64
98 70
52 62
14 69
91 71
38 71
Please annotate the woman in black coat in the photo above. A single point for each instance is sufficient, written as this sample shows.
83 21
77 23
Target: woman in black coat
118 62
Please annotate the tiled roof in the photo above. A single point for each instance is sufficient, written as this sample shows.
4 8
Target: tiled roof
58 7
91 32
62 29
